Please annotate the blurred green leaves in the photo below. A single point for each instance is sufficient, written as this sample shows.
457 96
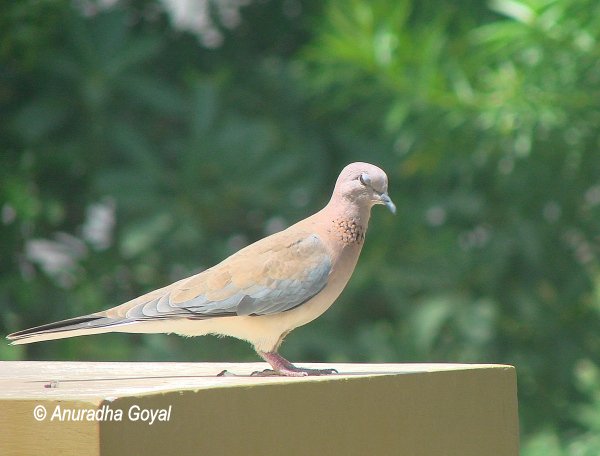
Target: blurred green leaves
495 127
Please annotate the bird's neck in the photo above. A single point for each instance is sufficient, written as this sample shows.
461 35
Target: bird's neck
347 223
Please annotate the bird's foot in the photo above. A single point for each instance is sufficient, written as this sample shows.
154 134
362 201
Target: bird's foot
285 372
293 372
282 367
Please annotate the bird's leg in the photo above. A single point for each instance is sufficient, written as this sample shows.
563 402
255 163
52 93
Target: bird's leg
282 366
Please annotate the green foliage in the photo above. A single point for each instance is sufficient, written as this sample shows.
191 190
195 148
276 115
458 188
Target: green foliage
496 134
132 155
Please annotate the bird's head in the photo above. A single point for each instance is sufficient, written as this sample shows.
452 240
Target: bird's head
364 184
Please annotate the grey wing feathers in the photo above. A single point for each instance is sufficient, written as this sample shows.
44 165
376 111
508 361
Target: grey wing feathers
263 279
248 283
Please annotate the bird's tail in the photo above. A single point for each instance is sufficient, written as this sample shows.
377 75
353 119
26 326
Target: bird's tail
78 326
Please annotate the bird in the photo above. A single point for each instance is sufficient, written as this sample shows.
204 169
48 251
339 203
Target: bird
263 291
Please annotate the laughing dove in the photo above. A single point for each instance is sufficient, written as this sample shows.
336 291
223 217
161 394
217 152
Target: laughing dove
263 291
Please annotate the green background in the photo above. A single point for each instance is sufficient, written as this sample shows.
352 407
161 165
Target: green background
136 149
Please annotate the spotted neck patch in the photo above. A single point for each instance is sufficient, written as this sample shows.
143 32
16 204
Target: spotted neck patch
349 231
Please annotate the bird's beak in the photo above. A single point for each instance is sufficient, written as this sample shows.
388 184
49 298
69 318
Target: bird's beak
385 199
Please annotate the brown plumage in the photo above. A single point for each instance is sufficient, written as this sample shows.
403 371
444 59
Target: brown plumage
260 293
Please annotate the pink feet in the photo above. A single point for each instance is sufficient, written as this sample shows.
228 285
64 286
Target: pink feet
282 367
295 372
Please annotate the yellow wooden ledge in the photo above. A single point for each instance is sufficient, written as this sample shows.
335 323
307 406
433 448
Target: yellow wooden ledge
368 409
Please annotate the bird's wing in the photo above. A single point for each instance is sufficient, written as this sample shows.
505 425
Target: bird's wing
271 276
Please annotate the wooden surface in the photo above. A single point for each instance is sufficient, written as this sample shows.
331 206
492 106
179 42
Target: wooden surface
97 381
420 409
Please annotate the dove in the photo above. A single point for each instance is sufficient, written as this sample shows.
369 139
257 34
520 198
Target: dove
260 293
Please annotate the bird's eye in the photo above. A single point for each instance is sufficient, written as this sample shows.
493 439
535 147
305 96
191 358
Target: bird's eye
365 179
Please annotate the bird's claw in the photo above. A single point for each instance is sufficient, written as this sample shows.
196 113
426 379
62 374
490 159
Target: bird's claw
293 372
265 373
284 372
